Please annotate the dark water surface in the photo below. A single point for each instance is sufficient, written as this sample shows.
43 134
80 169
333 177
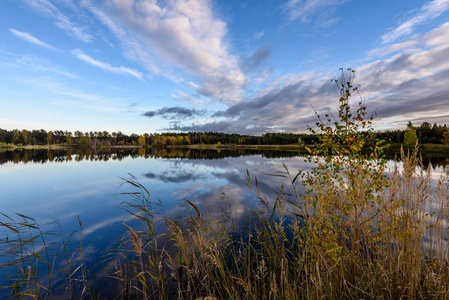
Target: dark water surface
65 185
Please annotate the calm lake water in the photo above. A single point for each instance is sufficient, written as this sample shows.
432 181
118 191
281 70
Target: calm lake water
65 185
48 185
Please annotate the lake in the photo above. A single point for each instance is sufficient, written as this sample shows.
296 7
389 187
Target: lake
65 185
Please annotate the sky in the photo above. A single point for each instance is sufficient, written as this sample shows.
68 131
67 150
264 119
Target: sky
247 66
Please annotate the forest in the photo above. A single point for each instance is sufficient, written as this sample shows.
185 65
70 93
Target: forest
425 134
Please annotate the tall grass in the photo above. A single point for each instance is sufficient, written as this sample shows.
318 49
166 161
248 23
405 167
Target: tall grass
38 264
310 242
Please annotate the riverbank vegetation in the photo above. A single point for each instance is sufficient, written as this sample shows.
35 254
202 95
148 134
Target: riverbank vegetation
425 134
352 227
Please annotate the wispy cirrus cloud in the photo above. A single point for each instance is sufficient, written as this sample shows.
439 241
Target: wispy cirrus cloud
427 12
37 64
307 10
49 10
106 66
133 47
30 39
177 36
258 35
438 37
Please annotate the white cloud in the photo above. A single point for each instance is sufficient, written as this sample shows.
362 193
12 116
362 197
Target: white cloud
180 35
49 10
410 85
30 39
427 12
181 96
437 37
305 10
182 40
106 66
133 47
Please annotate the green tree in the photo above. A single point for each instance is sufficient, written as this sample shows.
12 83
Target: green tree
50 138
106 135
410 137
25 136
78 135
344 190
85 140
68 135
114 137
445 139
147 139
15 136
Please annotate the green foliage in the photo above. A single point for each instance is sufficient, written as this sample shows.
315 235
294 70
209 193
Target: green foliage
50 138
425 132
348 135
340 144
15 136
68 137
410 137
445 139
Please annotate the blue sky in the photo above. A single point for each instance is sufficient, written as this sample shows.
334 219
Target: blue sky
247 67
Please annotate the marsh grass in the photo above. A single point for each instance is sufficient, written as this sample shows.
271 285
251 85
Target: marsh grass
38 264
309 242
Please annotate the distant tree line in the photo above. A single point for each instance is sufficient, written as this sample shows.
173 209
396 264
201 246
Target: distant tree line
426 134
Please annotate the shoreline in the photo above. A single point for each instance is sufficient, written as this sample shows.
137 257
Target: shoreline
425 148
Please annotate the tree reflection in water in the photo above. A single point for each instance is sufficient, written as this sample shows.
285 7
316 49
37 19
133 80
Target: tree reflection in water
58 156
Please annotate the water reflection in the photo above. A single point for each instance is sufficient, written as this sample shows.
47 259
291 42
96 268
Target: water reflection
435 160
47 184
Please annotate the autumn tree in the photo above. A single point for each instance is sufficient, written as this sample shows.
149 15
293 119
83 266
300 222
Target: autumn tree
141 140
